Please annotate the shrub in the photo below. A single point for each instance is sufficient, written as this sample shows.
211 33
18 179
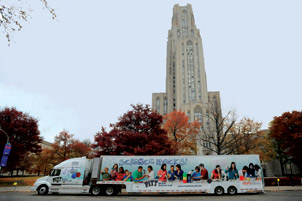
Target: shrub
284 181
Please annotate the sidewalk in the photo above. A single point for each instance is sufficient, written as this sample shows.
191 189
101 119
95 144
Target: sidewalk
15 189
282 188
266 189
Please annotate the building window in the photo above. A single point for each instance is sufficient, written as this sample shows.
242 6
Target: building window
208 119
158 104
184 24
215 102
183 73
192 32
198 71
174 85
190 72
189 115
165 105
198 114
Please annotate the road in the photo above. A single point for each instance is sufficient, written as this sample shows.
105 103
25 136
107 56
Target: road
269 196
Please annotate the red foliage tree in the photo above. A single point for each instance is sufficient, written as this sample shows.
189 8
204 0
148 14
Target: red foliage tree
181 132
138 132
63 145
80 149
23 133
286 130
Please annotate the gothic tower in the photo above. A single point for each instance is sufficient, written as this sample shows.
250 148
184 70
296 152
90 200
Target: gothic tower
186 82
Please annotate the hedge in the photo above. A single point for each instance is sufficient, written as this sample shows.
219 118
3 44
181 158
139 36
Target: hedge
284 181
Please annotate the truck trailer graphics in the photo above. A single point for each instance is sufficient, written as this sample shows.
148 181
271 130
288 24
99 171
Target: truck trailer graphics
81 175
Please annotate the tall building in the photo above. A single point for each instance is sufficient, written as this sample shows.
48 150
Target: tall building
186 81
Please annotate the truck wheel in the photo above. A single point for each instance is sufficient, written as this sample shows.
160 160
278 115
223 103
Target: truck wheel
232 190
96 190
110 190
42 190
219 190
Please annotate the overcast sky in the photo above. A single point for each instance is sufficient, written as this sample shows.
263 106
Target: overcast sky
83 70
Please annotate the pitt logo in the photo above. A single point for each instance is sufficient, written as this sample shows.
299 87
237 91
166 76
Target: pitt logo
150 183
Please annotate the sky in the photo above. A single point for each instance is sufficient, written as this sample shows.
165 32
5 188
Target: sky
83 70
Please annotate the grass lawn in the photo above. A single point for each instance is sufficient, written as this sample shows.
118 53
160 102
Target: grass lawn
21 181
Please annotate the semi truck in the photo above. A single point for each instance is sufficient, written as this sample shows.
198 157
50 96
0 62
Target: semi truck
82 175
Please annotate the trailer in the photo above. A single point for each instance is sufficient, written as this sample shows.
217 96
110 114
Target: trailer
81 175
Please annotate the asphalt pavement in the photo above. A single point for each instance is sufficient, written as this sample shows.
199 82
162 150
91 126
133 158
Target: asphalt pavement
266 188
268 196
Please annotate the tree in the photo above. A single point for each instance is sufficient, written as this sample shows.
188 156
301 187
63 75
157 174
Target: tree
286 130
13 14
181 132
44 161
23 133
214 134
249 139
138 132
65 146
80 149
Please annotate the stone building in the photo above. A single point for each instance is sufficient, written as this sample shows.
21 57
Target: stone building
186 81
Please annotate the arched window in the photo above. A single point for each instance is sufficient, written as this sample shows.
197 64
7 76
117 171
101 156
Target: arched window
198 114
165 105
158 104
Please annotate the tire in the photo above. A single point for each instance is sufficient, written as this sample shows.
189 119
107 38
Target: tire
232 190
43 190
219 190
96 190
110 190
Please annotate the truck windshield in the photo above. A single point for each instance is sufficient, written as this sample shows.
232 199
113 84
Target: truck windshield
55 172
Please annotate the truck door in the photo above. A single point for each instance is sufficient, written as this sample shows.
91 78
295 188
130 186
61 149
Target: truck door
55 178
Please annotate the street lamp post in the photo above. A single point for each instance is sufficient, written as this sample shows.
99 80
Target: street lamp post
5 134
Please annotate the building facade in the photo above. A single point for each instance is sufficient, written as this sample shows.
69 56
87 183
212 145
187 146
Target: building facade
186 81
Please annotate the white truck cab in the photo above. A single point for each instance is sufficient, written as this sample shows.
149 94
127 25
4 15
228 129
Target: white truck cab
70 176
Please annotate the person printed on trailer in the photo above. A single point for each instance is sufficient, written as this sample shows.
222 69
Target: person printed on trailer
204 172
105 174
244 171
232 171
258 170
120 174
162 173
128 176
150 174
179 172
216 173
171 173
196 176
251 171
137 174
114 170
